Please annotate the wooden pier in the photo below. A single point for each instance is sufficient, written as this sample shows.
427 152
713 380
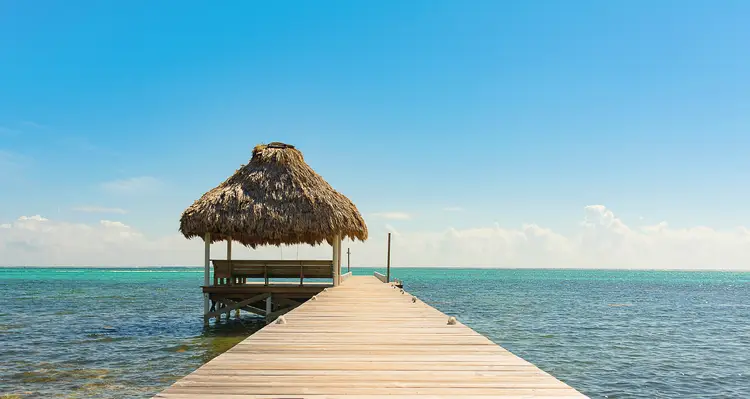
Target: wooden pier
367 339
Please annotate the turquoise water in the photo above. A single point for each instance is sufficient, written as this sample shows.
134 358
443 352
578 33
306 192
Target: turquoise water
128 333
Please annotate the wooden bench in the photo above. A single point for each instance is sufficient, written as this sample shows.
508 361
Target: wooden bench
230 272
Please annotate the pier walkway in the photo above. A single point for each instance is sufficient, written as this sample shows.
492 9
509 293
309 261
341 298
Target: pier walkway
366 339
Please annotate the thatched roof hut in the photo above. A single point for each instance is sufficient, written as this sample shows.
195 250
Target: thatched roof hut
275 199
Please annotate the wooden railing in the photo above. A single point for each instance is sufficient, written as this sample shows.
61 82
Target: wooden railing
231 272
345 276
381 277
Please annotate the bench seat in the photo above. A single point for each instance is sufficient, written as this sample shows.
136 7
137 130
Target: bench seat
230 272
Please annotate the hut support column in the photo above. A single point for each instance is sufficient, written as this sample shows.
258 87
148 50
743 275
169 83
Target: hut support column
336 259
338 265
229 258
206 273
269 307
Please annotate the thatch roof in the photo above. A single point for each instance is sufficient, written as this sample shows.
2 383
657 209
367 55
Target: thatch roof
275 199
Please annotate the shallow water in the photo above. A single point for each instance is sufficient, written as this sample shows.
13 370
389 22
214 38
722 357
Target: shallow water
128 333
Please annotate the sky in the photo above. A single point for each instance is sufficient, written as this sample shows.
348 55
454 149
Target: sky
481 133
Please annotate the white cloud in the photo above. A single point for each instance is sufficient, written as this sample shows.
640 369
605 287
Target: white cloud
453 209
601 241
39 241
37 218
99 209
109 223
5 226
132 185
657 228
392 215
600 215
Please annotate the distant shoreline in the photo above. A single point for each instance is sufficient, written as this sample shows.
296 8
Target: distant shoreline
404 267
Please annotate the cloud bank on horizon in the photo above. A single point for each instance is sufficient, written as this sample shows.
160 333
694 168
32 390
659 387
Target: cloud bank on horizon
601 240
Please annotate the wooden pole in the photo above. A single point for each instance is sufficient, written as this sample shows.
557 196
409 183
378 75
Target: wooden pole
229 258
336 253
388 267
269 308
338 267
206 271
348 260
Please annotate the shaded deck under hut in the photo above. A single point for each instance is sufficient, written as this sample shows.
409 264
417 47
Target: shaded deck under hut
276 199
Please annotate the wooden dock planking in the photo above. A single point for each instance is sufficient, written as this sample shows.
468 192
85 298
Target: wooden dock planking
364 340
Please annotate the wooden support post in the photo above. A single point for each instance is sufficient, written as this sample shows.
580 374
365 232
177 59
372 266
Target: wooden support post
338 265
232 280
348 260
206 273
220 310
269 306
226 305
336 254
388 266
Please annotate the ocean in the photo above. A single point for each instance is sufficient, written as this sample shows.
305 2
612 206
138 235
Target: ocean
129 333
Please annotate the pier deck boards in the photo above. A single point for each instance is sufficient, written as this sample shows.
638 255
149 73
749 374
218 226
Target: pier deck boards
365 340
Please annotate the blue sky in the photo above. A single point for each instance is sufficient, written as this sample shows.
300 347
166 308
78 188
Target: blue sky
516 113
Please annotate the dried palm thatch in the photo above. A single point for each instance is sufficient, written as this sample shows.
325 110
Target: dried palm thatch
275 199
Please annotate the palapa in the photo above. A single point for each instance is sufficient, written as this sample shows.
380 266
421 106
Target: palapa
275 199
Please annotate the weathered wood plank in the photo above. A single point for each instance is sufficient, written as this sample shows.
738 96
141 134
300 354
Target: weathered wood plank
365 340
516 395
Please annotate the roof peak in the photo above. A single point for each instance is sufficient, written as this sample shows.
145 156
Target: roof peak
275 199
278 144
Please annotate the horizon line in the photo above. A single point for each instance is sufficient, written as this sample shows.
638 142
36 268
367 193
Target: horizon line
393 267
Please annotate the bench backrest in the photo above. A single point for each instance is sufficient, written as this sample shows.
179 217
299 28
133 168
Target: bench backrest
273 268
